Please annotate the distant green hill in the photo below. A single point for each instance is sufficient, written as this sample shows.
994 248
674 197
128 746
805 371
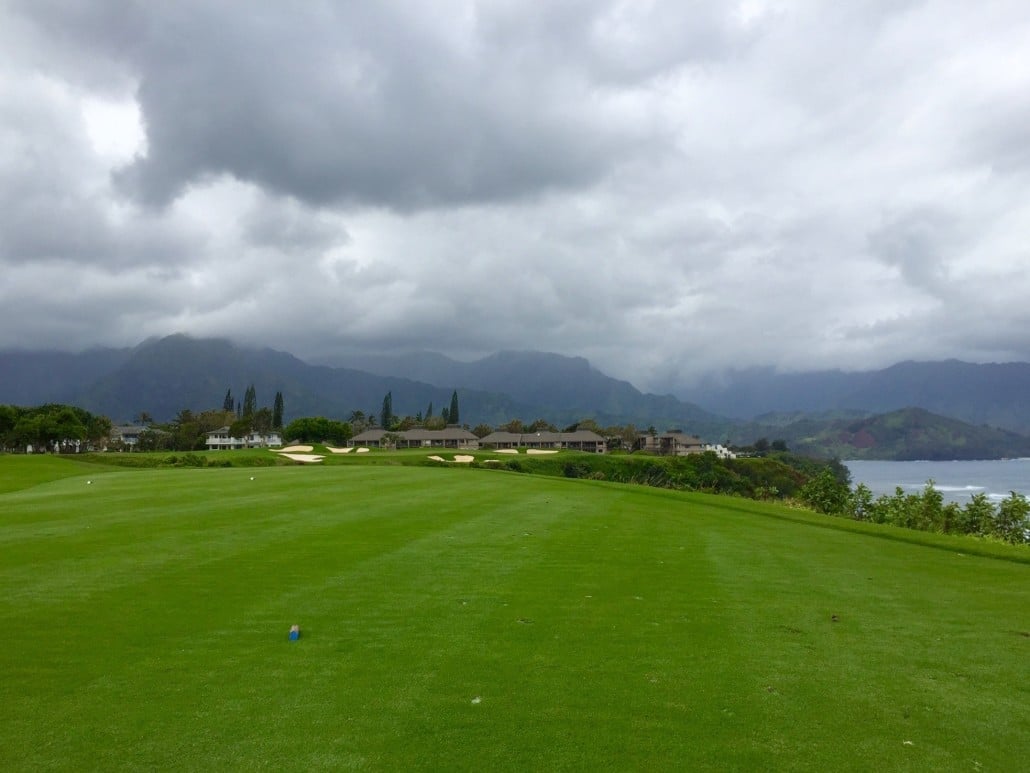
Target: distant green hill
911 433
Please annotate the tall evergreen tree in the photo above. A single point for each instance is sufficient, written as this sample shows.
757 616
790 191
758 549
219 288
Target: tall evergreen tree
429 411
250 401
386 414
228 404
453 417
277 411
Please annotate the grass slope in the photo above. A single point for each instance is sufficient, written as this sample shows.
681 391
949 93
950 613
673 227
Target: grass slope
19 471
471 619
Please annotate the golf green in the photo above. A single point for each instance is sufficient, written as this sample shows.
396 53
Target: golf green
456 618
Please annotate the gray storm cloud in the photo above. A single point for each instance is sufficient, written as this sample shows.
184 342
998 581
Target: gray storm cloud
666 189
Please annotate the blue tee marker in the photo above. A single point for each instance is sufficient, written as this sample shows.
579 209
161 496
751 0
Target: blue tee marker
294 632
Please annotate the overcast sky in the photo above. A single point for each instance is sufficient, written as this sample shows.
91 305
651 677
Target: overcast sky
665 188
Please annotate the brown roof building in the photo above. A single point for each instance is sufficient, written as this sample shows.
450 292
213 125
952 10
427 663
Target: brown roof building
450 437
581 440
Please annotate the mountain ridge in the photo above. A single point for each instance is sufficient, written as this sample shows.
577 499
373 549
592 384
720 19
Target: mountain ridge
166 375
990 393
570 384
907 434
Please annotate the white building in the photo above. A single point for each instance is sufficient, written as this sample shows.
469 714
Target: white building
221 439
126 434
720 450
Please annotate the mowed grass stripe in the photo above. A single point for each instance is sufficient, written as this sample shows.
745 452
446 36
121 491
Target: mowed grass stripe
458 618
591 662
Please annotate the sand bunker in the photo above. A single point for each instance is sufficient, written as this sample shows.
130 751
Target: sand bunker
310 458
339 450
540 451
362 451
294 449
507 451
459 459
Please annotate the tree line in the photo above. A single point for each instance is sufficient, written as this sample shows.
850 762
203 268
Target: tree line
390 421
52 427
188 431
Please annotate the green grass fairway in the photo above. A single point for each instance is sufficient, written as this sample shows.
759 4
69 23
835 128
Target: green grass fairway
21 471
469 619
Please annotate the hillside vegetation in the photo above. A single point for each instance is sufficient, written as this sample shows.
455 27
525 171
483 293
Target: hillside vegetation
907 434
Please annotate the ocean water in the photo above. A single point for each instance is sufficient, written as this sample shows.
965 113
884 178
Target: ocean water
957 481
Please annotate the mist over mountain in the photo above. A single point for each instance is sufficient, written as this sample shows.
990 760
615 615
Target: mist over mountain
36 377
177 372
565 386
991 394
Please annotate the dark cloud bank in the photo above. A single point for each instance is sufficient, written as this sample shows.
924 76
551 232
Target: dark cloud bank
665 190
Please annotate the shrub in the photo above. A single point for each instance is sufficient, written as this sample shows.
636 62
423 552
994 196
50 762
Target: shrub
576 470
825 494
1013 519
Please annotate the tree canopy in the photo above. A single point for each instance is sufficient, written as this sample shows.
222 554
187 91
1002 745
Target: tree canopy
318 429
53 427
